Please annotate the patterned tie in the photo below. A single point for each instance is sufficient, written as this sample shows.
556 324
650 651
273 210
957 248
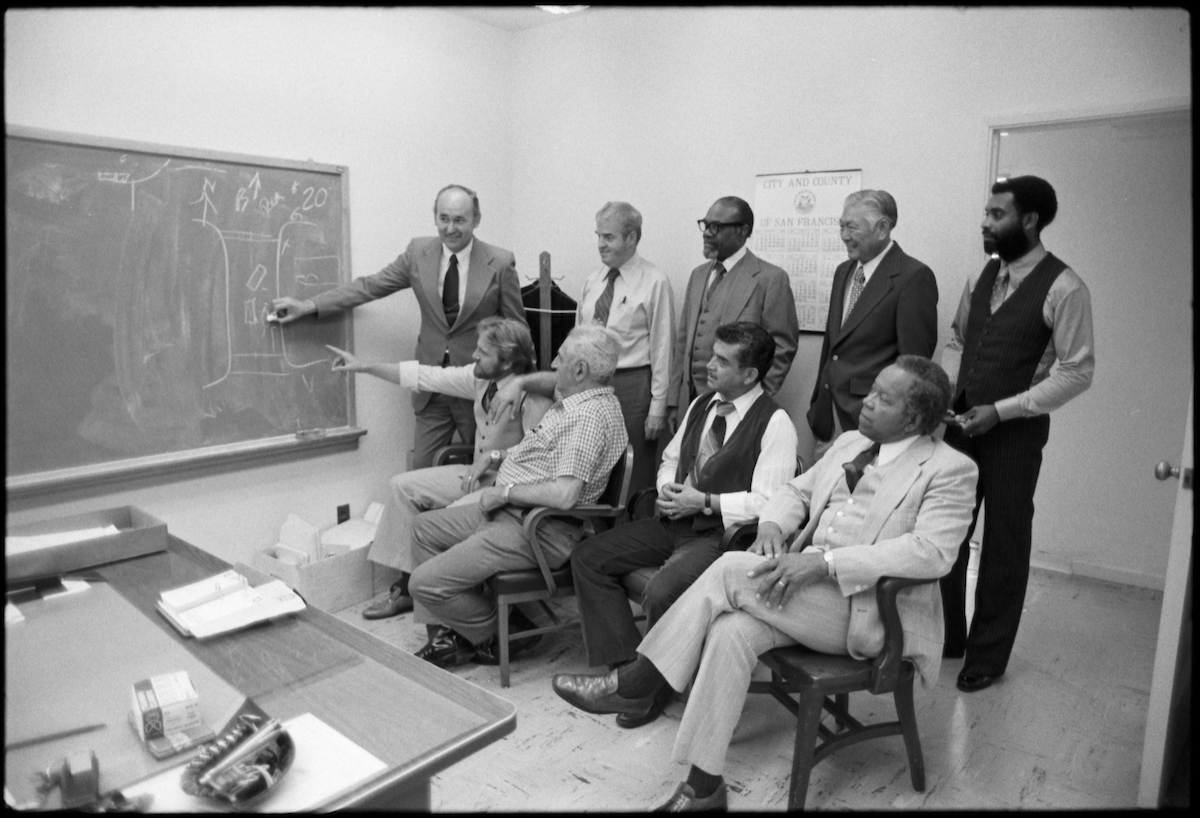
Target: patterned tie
604 302
712 288
856 467
450 291
488 394
860 279
1000 289
713 439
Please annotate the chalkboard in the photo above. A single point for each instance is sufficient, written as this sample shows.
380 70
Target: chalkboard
138 282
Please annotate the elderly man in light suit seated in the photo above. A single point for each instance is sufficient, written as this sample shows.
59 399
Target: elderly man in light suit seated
905 516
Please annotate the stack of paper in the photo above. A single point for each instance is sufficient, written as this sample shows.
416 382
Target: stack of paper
225 603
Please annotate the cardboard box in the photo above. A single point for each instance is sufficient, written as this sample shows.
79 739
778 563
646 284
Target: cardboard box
331 583
138 533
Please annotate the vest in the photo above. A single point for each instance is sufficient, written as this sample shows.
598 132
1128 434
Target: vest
1001 350
732 467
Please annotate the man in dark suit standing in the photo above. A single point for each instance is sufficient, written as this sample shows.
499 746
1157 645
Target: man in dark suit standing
733 285
1020 346
458 281
883 305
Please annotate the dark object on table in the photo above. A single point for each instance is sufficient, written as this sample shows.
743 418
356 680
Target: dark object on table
243 764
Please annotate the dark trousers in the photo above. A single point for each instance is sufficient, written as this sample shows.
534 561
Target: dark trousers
435 426
1009 457
632 388
598 563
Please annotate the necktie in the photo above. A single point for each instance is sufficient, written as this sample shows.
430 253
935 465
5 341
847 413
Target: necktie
604 302
854 469
719 268
450 291
713 439
488 394
860 279
1000 289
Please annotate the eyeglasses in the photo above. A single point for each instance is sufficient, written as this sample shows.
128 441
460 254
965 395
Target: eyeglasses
707 227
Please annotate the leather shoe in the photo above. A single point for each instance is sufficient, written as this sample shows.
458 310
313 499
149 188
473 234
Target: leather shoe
685 800
598 694
969 681
447 649
396 603
661 700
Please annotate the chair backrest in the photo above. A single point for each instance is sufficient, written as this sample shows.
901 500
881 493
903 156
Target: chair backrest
616 493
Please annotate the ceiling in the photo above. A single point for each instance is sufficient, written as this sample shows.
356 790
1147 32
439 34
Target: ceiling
510 18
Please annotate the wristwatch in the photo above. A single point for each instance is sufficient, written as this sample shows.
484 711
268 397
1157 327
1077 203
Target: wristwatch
507 491
496 456
708 504
829 562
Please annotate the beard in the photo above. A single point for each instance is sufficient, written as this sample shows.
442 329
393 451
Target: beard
1009 245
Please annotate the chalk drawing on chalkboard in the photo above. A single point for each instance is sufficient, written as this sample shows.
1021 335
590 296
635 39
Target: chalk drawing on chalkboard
138 282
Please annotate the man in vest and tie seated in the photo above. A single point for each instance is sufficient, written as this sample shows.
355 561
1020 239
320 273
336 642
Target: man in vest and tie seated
503 351
734 448
886 500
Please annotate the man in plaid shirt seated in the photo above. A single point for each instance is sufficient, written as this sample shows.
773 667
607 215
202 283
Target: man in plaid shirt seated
565 461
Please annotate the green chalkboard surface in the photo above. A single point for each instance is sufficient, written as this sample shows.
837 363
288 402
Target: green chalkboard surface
138 281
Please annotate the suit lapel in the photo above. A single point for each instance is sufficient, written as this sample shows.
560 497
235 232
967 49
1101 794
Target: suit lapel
428 266
479 276
740 286
875 291
902 474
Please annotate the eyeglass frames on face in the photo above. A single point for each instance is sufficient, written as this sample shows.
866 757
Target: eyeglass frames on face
707 227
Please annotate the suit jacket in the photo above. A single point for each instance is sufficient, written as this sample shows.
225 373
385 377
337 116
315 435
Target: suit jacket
754 290
492 289
913 528
896 314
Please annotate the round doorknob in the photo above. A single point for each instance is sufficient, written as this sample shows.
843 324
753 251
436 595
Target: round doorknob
1165 470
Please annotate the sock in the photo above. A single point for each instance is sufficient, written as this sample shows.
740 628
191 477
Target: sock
639 678
401 584
702 783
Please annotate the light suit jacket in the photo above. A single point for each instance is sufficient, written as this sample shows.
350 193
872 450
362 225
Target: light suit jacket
913 528
492 289
754 290
896 314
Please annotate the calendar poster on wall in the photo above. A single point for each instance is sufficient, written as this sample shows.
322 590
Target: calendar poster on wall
796 227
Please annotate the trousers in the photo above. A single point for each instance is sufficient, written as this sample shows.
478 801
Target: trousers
435 425
413 492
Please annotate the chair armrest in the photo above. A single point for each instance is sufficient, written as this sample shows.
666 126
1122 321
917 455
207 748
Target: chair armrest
537 514
739 536
454 453
641 504
887 663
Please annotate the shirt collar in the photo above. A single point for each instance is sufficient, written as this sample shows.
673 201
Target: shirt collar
464 255
871 265
742 404
1019 268
583 397
890 451
628 269
733 260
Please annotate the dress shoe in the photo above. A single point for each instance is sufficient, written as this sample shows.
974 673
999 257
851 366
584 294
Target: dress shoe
661 700
396 603
447 649
969 681
598 694
685 800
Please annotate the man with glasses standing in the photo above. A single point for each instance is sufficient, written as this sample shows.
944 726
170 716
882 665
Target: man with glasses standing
733 285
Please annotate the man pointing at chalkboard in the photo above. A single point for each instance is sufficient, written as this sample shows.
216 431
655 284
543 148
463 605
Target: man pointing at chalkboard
458 281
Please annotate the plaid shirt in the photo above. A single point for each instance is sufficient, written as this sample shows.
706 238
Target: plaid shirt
582 436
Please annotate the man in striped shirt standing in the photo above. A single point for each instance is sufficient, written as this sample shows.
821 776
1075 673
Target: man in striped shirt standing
565 461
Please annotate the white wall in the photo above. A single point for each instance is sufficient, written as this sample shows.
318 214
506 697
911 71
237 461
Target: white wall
671 108
407 99
666 108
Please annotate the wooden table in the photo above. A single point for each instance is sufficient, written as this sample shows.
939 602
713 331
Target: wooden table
416 718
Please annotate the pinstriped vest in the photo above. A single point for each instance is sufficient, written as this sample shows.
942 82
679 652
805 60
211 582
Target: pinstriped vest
1001 350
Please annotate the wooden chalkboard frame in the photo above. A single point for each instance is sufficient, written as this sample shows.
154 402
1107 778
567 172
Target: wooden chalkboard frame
250 451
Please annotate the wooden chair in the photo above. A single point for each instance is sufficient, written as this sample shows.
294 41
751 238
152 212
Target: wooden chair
546 583
824 682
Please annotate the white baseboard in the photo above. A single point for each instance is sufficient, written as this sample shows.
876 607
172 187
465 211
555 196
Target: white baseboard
1118 575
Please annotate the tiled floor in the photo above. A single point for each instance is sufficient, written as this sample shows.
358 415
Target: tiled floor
1062 730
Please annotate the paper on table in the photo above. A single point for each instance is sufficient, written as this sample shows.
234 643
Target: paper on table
34 542
327 765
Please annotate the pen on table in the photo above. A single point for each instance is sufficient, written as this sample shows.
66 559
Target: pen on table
76 731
